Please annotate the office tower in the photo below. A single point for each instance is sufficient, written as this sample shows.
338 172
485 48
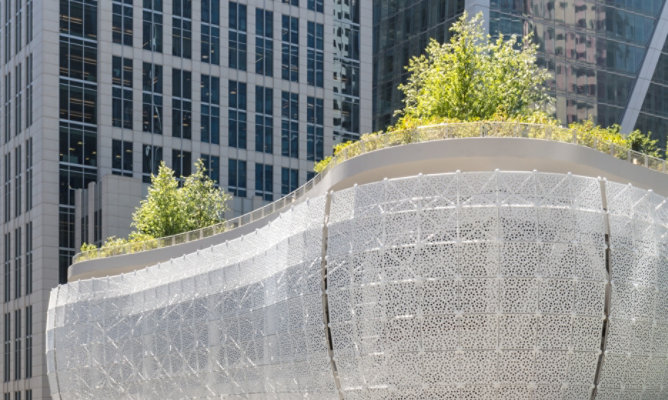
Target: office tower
608 59
95 90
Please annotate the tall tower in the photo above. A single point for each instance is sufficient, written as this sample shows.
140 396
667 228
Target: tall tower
105 90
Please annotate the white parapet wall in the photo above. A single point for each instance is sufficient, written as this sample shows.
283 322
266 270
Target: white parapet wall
487 285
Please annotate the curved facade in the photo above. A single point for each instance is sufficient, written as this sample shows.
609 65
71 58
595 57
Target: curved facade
462 285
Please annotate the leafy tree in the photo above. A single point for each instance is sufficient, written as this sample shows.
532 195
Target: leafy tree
168 209
638 141
474 78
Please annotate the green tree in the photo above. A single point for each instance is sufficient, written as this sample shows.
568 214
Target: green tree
168 209
474 78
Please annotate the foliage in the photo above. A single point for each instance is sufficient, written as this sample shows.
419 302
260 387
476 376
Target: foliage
473 78
169 209
638 141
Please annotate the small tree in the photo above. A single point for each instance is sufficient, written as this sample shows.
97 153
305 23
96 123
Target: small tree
168 209
474 78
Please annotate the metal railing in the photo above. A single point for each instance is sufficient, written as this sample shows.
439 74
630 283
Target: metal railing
378 141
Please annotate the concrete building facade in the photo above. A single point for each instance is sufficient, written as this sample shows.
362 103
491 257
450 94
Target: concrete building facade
97 91
608 59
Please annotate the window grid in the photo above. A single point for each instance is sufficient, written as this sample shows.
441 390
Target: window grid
152 25
8 106
29 258
8 30
17 263
18 94
264 181
121 92
264 121
122 152
182 28
181 163
237 36
237 114
8 261
314 129
17 346
18 195
29 90
210 109
8 349
264 42
18 18
315 54
315 5
211 32
290 48
181 103
122 22
236 181
289 180
290 124
29 21
212 166
152 98
8 186
28 349
29 170
151 158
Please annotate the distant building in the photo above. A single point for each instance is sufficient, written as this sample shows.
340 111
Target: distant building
91 89
609 59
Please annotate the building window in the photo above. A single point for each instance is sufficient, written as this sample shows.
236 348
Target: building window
18 180
182 26
8 186
315 5
29 394
210 96
236 179
290 49
264 181
211 31
29 258
29 174
346 118
237 42
289 180
79 18
181 163
264 121
237 114
8 267
152 98
315 54
264 42
17 263
181 104
152 25
291 2
8 347
18 94
121 21
121 81
29 90
314 129
18 17
17 346
8 106
8 30
121 162
290 124
212 167
29 21
28 346
151 158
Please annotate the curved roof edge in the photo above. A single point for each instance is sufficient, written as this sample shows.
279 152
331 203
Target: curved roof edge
469 154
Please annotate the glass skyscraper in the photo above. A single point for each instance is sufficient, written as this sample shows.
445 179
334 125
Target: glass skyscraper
609 59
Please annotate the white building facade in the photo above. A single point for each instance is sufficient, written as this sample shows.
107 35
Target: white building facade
260 90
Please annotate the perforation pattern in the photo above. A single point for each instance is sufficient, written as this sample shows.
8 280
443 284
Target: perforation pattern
476 285
451 286
240 320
